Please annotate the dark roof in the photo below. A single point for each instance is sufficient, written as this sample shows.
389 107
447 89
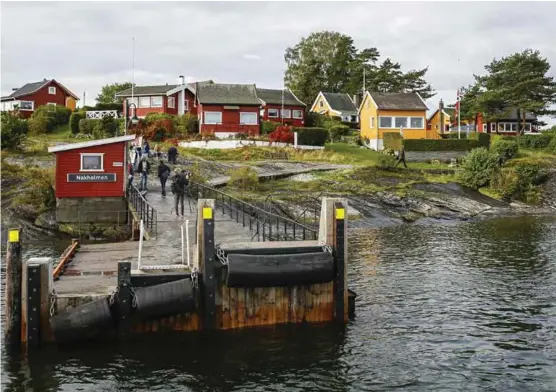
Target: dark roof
148 90
511 114
30 88
398 101
340 102
227 94
275 97
193 86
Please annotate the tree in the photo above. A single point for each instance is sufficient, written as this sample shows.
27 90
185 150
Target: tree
13 130
108 92
329 61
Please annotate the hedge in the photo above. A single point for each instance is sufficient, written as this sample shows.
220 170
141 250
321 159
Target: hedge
440 144
482 138
337 131
311 136
74 121
268 126
535 141
45 118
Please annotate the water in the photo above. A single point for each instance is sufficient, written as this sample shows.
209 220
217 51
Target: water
468 307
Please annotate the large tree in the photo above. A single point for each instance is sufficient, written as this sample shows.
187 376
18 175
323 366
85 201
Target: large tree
329 61
108 92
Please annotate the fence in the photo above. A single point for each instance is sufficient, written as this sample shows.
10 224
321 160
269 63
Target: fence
145 211
264 225
96 114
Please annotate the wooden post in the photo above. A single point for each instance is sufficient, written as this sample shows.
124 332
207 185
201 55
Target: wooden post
124 297
36 289
339 253
206 259
13 287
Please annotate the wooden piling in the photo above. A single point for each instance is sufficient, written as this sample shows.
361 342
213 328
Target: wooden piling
36 290
13 287
207 260
124 297
339 254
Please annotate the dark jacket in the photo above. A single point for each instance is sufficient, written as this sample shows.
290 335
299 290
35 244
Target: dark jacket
147 148
180 184
140 166
172 151
163 171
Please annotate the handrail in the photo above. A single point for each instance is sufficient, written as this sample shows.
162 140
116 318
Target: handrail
146 211
64 259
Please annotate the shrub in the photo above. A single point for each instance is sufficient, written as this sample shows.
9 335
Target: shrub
186 124
152 117
440 144
479 168
13 130
552 145
386 162
268 127
392 140
74 121
55 115
39 125
158 130
98 130
311 136
337 131
535 141
519 182
504 150
282 134
313 119
482 138
86 126
110 126
244 178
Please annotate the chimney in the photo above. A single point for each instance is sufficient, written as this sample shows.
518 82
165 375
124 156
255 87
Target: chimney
441 104
15 89
181 80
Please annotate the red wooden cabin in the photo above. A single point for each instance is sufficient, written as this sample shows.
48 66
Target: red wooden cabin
273 101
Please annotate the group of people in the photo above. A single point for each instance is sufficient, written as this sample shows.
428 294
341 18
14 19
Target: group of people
140 164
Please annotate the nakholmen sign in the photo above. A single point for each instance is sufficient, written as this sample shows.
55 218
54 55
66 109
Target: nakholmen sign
104 177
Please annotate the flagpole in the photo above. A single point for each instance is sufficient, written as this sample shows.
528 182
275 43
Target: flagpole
459 115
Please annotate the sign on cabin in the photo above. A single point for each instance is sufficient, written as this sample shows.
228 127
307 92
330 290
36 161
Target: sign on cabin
105 177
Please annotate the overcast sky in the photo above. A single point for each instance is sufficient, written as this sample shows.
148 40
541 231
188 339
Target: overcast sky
85 45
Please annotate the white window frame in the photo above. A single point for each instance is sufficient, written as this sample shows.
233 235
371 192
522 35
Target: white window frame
212 123
172 102
51 104
300 112
528 127
92 154
372 122
276 111
51 90
147 99
153 105
408 122
25 110
422 122
186 105
282 112
401 126
249 114
485 128
134 101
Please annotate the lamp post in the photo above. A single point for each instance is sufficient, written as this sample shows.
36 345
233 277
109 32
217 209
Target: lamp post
132 120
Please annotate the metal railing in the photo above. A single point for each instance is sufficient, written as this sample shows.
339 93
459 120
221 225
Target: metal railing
264 225
145 211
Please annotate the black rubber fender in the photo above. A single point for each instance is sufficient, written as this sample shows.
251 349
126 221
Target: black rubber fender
275 251
83 322
279 270
166 299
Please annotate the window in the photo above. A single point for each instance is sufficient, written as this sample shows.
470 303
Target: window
286 113
213 118
135 101
144 102
321 104
385 122
92 162
52 90
416 122
26 105
273 113
172 102
298 114
493 127
372 122
528 127
400 122
186 105
156 102
248 118
484 128
51 103
514 127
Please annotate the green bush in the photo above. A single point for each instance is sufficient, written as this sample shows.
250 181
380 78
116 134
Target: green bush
311 136
314 120
13 131
520 182
39 125
479 167
110 126
268 127
535 141
392 140
55 115
482 138
74 121
186 124
98 130
386 161
244 178
337 131
552 145
152 117
86 126
440 144
504 150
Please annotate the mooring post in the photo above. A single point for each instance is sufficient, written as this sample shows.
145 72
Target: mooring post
13 287
124 297
206 258
340 291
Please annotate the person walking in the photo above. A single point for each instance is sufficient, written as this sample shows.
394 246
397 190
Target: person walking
401 157
157 151
163 174
172 154
143 168
129 175
147 149
179 189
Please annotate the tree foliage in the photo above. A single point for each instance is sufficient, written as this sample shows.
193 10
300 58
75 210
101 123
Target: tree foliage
13 130
329 61
108 92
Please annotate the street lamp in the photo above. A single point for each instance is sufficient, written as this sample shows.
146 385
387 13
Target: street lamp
132 120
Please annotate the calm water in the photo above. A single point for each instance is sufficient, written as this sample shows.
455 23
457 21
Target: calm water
467 307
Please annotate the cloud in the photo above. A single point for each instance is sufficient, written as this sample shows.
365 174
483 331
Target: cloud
88 44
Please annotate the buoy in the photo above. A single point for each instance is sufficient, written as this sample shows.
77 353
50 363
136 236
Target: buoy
279 270
166 299
83 322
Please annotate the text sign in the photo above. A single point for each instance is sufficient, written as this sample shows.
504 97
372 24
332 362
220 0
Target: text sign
117 164
82 177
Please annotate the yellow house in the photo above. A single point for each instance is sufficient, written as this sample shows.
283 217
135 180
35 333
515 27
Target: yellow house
393 112
434 121
338 105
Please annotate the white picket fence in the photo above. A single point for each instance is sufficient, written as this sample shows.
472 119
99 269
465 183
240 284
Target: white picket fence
97 114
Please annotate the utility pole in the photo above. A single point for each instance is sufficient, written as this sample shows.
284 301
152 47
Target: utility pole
283 88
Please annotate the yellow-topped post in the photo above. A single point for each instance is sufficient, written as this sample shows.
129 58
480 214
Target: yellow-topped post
206 258
14 268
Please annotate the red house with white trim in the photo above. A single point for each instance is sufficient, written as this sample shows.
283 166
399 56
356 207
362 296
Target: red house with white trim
91 180
227 109
273 101
32 95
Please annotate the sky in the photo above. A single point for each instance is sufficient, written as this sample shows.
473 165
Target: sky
85 45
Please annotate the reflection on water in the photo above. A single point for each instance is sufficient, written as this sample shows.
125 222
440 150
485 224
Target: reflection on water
460 307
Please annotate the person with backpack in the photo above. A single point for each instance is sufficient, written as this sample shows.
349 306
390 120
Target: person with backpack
143 167
179 189
172 154
163 174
